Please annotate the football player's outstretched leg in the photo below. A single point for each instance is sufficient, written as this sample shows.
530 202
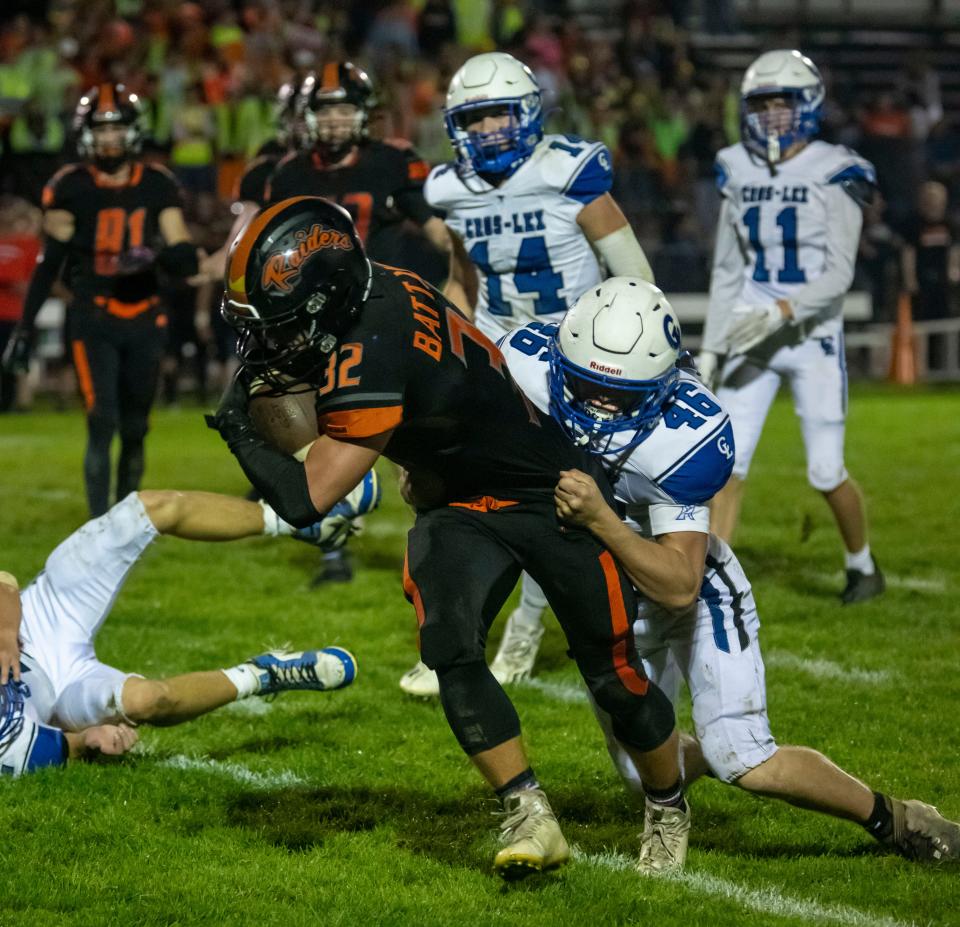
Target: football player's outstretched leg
63 701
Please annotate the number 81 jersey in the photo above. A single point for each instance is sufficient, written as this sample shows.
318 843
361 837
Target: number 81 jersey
532 258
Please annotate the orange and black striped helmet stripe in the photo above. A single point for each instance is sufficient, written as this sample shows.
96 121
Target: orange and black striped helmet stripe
330 79
240 256
106 99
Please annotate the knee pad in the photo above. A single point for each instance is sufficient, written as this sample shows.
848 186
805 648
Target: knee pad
133 428
100 427
826 475
732 746
447 644
477 709
640 721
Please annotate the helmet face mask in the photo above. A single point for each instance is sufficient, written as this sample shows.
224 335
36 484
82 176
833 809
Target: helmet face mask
108 126
332 128
489 86
781 101
297 278
613 365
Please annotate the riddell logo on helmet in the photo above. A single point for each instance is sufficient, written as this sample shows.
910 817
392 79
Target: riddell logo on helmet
606 368
283 267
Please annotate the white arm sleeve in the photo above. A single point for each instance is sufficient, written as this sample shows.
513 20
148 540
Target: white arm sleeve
622 254
843 239
726 280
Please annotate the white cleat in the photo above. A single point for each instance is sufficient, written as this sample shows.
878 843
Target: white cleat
531 837
517 652
420 681
663 844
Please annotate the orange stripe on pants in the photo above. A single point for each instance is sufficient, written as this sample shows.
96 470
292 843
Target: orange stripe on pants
411 591
82 364
631 679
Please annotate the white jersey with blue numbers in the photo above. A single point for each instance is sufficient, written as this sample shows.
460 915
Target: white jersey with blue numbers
666 480
532 258
664 484
789 234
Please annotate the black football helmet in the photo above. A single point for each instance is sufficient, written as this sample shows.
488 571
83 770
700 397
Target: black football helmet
297 278
108 105
334 84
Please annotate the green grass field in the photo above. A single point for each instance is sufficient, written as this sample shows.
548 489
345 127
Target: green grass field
357 807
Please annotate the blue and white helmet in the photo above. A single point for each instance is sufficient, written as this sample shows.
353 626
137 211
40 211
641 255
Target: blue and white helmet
25 745
617 346
494 82
783 73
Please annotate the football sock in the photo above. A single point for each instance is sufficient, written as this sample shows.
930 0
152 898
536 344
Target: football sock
532 603
273 524
520 782
671 797
880 822
860 561
245 677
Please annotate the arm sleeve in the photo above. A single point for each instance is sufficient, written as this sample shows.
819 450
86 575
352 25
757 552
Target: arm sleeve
49 264
843 238
726 279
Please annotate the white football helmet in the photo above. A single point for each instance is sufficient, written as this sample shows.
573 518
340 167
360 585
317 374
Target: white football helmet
488 84
25 745
782 73
613 362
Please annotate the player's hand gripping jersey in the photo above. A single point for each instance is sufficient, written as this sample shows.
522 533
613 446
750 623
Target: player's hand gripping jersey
413 363
791 233
115 226
523 237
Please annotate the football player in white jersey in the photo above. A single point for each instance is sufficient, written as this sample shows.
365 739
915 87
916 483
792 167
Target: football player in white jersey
533 226
58 701
609 376
787 241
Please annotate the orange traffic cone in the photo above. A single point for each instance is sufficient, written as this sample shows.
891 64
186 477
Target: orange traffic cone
903 351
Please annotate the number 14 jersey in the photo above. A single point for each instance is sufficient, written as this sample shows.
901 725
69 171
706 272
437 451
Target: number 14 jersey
532 258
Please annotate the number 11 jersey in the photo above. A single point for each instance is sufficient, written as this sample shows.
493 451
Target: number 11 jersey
532 258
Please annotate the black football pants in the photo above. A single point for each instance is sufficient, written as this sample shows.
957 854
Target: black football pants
464 560
117 363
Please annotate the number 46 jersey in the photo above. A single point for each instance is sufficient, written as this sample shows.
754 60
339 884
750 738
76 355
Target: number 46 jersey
532 258
665 481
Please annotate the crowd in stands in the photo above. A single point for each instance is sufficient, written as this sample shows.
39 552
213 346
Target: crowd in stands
210 72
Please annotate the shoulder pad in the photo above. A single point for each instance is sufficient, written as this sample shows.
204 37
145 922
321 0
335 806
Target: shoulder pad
442 186
858 180
61 182
400 143
699 475
594 175
162 170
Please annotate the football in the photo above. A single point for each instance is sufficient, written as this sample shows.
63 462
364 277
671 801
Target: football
288 421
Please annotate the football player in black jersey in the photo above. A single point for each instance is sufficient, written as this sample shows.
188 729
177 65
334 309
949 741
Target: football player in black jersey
379 183
399 371
110 222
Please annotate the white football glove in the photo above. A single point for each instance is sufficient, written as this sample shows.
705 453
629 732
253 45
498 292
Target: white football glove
708 368
749 325
345 518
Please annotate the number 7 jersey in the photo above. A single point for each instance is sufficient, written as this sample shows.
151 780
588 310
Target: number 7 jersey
532 258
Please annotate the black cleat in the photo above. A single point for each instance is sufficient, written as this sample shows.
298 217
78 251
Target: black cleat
336 568
921 833
863 586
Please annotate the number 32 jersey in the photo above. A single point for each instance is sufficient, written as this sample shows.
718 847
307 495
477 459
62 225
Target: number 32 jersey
666 481
532 258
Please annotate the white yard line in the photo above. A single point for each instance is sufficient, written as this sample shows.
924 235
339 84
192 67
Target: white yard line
281 780
767 901
825 669
559 691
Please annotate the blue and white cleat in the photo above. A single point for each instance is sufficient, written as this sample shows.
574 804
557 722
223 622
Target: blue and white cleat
316 670
332 531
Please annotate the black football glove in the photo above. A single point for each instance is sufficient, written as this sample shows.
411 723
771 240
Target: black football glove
16 357
231 419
